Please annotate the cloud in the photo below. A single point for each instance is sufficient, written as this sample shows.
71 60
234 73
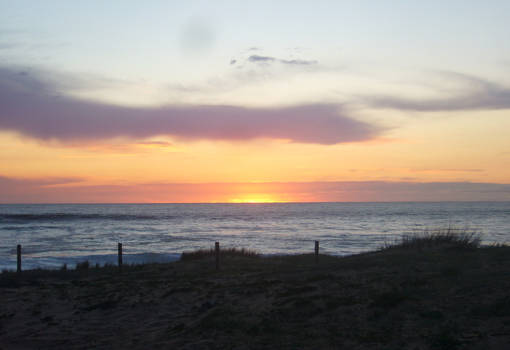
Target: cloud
119 147
33 107
38 182
266 59
299 62
40 191
156 143
257 58
474 94
36 190
449 170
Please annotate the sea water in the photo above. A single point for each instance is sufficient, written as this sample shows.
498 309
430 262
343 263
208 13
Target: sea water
54 234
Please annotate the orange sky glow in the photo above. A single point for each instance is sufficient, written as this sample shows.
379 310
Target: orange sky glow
237 115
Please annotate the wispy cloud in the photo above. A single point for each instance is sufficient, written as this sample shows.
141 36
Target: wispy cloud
36 108
299 62
473 94
38 182
448 170
266 59
258 58
156 143
117 147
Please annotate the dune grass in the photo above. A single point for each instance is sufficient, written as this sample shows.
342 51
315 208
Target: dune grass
84 265
450 237
228 252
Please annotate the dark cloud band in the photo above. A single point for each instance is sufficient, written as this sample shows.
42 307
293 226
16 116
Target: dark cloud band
50 191
31 106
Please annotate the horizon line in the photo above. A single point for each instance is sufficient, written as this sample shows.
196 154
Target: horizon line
252 203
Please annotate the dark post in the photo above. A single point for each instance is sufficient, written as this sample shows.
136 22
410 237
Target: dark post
19 258
217 251
316 251
119 249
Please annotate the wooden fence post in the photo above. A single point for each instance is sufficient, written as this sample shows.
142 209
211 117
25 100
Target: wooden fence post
19 258
316 251
217 253
119 252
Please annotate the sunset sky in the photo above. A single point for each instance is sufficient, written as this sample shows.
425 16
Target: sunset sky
263 101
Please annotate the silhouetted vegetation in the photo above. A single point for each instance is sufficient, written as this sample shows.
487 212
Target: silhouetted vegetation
451 237
431 291
84 265
224 253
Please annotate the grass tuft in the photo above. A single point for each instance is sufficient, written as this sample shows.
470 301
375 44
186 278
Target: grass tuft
228 252
82 265
451 237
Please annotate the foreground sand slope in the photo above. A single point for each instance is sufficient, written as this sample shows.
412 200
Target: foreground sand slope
421 298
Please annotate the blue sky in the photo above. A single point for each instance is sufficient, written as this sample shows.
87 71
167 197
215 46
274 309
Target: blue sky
159 39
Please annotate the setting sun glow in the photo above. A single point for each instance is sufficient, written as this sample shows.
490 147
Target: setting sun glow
256 198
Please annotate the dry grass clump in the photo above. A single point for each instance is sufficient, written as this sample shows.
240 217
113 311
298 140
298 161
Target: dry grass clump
451 237
228 252
84 265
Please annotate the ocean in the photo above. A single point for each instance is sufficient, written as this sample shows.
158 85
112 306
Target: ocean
54 234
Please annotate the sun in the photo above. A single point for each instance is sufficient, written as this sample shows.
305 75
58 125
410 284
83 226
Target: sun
256 198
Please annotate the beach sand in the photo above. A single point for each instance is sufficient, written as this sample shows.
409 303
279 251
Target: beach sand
435 298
